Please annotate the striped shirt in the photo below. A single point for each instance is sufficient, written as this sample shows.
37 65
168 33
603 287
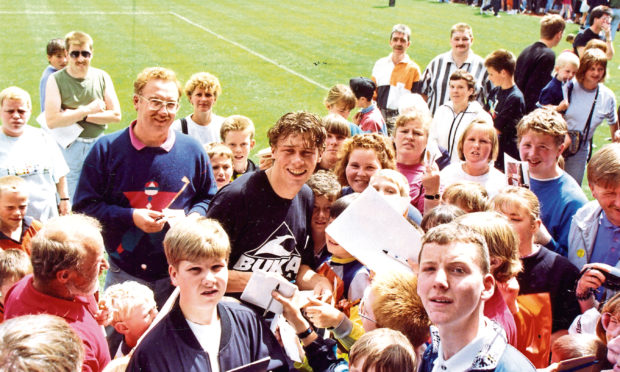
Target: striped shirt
436 78
394 81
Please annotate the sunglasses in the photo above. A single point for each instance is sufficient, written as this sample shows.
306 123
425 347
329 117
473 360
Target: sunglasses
76 53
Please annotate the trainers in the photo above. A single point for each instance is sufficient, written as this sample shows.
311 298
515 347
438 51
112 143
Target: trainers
498 16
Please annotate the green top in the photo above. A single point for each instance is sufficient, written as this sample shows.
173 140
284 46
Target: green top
79 92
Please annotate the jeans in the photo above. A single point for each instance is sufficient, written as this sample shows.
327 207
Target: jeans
576 164
162 288
75 155
615 20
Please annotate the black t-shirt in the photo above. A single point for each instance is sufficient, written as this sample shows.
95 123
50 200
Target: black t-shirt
266 231
506 107
583 37
548 272
533 72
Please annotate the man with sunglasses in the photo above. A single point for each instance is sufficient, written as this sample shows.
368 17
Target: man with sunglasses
137 180
82 95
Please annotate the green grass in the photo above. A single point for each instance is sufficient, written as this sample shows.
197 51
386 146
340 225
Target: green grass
324 40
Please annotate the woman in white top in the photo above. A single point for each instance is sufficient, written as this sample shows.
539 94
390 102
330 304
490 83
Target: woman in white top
477 150
452 118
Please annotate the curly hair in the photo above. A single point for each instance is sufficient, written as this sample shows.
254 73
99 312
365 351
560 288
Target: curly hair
381 145
307 124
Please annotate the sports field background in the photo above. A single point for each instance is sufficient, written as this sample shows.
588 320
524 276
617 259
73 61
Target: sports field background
271 56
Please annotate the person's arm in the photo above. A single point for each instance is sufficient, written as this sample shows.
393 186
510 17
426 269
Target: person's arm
204 184
308 279
580 50
64 207
237 280
615 132
56 117
431 183
610 44
112 113
591 279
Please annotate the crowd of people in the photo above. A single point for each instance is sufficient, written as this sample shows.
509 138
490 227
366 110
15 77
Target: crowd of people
516 270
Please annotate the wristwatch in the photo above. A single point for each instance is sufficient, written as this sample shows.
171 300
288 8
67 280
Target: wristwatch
432 197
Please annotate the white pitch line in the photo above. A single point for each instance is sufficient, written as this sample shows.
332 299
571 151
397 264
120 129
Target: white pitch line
53 12
265 58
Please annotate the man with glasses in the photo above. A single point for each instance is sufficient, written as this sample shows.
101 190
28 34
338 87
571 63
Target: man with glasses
600 22
82 95
137 180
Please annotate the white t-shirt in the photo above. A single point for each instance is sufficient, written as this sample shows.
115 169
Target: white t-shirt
581 104
493 181
203 133
35 157
209 338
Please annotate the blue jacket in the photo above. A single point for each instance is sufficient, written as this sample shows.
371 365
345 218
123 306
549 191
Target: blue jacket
496 354
172 346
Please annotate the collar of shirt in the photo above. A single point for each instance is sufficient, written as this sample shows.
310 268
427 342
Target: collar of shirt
604 222
138 145
406 59
464 358
367 109
470 56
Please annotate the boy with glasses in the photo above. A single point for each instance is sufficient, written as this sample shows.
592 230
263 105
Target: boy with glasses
82 95
136 180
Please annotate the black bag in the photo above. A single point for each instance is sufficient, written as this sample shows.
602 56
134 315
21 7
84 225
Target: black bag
578 136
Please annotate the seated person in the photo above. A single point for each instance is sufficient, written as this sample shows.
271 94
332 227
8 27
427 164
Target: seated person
337 131
201 332
468 195
221 162
131 308
237 133
54 347
16 229
369 118
340 100
544 271
326 189
14 265
454 282
477 150
552 95
202 90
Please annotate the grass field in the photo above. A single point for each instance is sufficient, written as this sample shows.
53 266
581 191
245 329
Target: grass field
271 57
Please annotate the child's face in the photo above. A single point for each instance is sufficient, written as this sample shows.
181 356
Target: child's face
320 214
334 248
13 206
566 72
58 60
14 116
477 146
385 186
202 283
240 143
496 77
541 153
202 100
5 286
333 143
139 320
222 170
339 109
522 222
362 164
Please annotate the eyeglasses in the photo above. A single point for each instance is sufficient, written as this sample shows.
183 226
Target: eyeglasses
76 53
362 312
608 321
156 104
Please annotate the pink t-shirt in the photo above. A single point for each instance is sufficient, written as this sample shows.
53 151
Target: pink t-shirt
495 308
414 174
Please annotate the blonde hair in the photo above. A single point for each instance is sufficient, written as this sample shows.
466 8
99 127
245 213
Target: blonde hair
17 94
340 93
324 183
336 124
501 239
237 123
218 149
612 306
580 345
462 27
205 81
489 130
195 239
398 306
372 141
78 38
122 298
155 73
543 121
566 58
14 265
468 195
52 347
550 25
386 350
514 197
413 116
395 177
14 184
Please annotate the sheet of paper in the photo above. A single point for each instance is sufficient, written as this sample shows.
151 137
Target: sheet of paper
290 342
517 172
259 288
260 365
376 234
65 135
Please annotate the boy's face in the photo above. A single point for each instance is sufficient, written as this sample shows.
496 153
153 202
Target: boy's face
58 60
333 143
339 109
541 153
609 199
13 206
202 100
384 186
320 214
15 114
222 170
240 143
202 283
139 319
294 162
451 284
566 72
333 247
496 77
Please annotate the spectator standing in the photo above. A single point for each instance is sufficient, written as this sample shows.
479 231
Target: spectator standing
600 20
57 58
